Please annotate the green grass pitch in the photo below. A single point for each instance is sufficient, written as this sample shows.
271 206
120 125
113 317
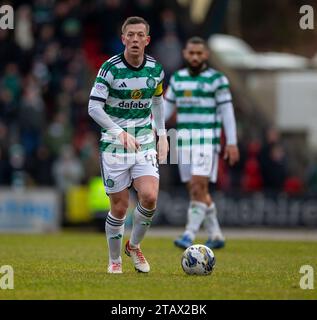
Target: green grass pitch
72 265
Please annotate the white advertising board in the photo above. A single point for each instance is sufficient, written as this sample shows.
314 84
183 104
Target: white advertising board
29 210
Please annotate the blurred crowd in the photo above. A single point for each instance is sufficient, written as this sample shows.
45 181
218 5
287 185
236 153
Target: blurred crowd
264 165
48 64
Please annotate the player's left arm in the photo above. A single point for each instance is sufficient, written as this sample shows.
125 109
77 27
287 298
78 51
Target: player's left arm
224 103
159 122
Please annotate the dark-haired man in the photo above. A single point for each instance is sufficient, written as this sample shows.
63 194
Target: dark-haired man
203 104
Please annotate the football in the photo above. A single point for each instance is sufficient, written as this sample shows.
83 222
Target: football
198 260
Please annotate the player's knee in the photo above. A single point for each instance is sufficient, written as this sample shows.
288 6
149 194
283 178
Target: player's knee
197 191
120 208
148 199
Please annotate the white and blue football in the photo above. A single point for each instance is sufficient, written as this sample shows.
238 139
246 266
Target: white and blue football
198 260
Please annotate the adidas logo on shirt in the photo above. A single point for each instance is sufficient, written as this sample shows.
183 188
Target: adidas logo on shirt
123 85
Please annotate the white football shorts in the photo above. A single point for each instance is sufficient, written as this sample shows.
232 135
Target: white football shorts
200 162
118 173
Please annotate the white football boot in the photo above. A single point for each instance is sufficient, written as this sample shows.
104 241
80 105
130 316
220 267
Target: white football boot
140 263
115 267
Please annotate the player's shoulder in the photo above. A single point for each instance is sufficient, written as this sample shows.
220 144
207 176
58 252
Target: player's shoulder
212 73
180 73
111 62
153 61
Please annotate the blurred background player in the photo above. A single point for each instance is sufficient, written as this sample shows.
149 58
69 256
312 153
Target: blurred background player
126 87
203 104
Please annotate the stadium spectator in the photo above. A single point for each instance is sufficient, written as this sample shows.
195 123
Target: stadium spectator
273 161
274 169
168 50
109 17
293 186
169 24
31 117
12 82
58 134
312 176
5 169
252 178
40 167
46 37
68 23
9 50
17 164
23 28
149 10
67 170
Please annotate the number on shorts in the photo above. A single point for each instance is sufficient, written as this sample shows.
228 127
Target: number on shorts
152 158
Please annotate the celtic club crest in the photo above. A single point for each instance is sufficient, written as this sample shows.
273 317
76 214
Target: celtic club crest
150 82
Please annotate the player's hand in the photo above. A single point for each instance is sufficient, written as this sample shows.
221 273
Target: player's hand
162 148
129 142
232 154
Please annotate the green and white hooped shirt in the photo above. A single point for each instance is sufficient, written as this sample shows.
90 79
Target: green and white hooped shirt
127 92
197 99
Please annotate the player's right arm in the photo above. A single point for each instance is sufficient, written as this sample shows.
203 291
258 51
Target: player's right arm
98 96
170 100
